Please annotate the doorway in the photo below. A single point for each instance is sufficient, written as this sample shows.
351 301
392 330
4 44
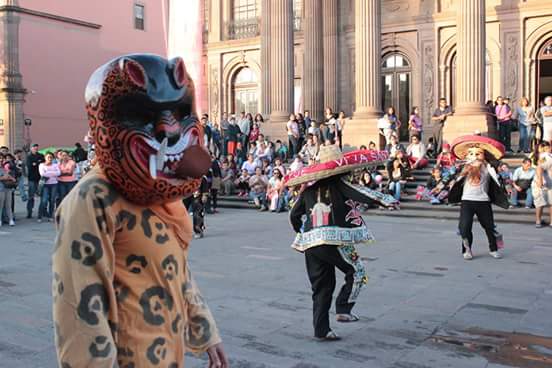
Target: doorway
544 72
396 89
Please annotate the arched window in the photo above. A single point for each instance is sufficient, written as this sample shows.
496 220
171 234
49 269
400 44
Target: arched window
396 87
544 71
245 91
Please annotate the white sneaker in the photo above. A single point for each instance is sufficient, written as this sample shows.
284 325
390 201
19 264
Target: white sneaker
468 255
12 223
495 255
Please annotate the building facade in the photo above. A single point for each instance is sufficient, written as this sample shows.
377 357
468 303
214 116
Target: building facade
361 56
49 50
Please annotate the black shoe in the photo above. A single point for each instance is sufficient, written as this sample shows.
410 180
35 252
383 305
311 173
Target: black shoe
29 215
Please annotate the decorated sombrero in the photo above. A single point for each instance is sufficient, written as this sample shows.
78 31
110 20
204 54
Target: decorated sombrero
461 145
333 162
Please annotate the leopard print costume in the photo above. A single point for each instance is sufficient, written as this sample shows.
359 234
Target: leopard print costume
123 292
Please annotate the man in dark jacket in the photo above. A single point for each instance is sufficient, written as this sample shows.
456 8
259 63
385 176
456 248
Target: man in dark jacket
327 220
33 160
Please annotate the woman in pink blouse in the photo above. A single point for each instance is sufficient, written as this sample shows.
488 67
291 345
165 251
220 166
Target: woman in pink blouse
67 178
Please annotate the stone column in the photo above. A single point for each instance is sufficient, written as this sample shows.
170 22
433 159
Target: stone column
470 113
470 70
12 93
313 85
363 128
367 58
281 61
265 58
330 15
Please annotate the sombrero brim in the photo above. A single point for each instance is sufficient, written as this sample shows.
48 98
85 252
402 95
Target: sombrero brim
461 145
349 162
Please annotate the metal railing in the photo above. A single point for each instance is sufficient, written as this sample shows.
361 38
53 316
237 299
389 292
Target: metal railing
243 28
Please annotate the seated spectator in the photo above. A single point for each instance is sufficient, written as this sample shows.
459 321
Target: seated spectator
430 148
397 179
252 149
393 147
263 153
366 180
521 183
363 147
227 179
266 167
417 153
254 133
242 183
241 155
274 193
401 156
506 176
296 164
281 151
250 165
278 165
258 184
436 190
309 150
372 146
446 161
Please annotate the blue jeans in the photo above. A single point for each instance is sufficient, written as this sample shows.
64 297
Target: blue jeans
33 188
528 200
21 188
524 134
395 189
64 188
48 201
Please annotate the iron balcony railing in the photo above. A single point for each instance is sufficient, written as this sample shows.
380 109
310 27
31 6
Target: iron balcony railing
243 28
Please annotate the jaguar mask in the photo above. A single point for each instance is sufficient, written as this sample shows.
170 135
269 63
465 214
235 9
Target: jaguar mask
142 119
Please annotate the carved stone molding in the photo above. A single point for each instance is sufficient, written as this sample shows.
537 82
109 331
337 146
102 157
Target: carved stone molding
511 80
214 93
428 80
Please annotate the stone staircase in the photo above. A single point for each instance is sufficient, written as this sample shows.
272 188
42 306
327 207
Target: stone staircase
410 207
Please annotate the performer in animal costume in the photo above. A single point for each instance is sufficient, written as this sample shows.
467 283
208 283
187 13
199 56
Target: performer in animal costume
477 187
123 292
327 220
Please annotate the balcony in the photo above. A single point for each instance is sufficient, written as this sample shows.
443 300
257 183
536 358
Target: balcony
243 28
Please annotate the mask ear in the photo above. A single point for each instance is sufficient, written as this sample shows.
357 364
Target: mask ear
135 72
179 72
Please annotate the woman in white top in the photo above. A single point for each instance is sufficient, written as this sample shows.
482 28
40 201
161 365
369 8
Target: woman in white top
525 114
49 171
417 153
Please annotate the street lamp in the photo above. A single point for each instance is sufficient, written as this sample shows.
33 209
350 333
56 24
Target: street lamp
27 134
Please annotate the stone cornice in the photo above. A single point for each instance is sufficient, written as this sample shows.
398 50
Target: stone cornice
58 18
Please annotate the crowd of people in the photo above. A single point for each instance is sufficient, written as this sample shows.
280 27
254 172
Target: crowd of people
49 176
245 163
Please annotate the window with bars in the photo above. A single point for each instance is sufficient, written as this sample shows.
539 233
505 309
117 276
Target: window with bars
297 14
139 17
245 9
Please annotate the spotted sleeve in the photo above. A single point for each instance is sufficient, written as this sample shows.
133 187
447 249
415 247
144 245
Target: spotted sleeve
201 331
83 268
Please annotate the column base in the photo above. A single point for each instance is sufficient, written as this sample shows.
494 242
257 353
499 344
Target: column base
360 132
274 130
458 125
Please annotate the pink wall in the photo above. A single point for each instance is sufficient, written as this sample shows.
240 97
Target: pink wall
57 58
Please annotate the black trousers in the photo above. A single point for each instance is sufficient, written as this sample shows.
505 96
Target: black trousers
321 262
484 213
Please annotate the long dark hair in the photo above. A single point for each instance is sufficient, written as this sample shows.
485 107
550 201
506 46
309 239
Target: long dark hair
259 117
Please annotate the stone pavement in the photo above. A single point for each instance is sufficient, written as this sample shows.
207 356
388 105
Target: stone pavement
423 307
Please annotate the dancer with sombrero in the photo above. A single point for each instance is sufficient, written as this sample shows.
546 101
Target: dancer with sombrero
327 220
476 188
